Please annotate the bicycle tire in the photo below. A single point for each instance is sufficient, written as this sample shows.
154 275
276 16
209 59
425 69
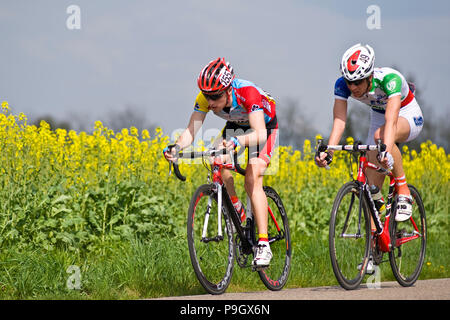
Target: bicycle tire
276 275
348 250
213 260
407 272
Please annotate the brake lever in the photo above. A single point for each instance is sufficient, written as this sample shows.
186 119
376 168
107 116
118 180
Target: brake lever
381 148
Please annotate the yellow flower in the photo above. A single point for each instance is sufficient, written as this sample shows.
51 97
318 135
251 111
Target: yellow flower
98 124
5 107
134 131
145 134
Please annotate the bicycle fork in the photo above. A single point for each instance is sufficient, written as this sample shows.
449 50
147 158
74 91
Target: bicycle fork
357 235
218 189
219 236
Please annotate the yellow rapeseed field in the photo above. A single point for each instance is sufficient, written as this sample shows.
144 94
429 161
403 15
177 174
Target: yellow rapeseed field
82 190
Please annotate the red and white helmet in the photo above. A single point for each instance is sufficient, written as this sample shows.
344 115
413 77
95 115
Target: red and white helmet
216 76
358 62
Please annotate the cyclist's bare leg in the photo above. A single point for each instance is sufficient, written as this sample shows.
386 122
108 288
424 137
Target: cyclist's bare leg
254 188
227 175
228 180
402 135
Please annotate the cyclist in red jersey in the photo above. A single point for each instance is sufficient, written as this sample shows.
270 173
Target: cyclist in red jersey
251 121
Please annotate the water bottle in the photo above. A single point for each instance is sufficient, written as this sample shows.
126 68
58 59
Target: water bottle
378 199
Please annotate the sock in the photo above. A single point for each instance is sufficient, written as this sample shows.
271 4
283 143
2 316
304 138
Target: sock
263 238
239 207
402 186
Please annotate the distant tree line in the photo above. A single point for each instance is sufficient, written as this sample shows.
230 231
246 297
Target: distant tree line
116 120
296 125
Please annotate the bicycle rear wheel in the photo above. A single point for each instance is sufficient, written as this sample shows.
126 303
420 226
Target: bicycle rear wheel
349 236
211 254
276 274
408 242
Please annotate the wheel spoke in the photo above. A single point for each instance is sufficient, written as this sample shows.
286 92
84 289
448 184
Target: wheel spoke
408 254
349 237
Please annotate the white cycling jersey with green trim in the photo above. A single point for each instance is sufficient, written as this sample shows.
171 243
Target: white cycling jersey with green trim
386 83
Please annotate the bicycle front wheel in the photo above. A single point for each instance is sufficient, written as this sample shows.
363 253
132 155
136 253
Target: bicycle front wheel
276 274
409 240
210 241
349 236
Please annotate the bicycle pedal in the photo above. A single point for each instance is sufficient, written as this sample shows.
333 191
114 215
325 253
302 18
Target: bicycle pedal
259 268
369 273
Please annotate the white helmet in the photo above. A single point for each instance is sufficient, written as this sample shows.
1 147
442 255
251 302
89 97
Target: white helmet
358 62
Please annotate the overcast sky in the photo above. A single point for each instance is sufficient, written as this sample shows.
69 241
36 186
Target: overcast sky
147 54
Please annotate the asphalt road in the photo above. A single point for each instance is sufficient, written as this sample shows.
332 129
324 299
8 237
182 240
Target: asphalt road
435 289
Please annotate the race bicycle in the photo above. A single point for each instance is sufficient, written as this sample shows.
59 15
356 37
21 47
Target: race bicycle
358 232
217 237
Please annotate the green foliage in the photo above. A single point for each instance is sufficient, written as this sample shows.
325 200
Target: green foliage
87 219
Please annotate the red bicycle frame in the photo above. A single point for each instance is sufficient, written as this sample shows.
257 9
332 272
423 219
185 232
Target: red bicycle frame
382 229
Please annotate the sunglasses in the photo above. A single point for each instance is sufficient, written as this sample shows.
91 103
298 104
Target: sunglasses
213 97
356 82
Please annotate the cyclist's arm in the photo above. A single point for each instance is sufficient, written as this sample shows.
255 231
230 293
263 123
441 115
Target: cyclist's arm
254 107
258 136
339 120
195 123
341 93
391 117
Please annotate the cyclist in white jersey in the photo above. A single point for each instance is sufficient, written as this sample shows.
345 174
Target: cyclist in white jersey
395 116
